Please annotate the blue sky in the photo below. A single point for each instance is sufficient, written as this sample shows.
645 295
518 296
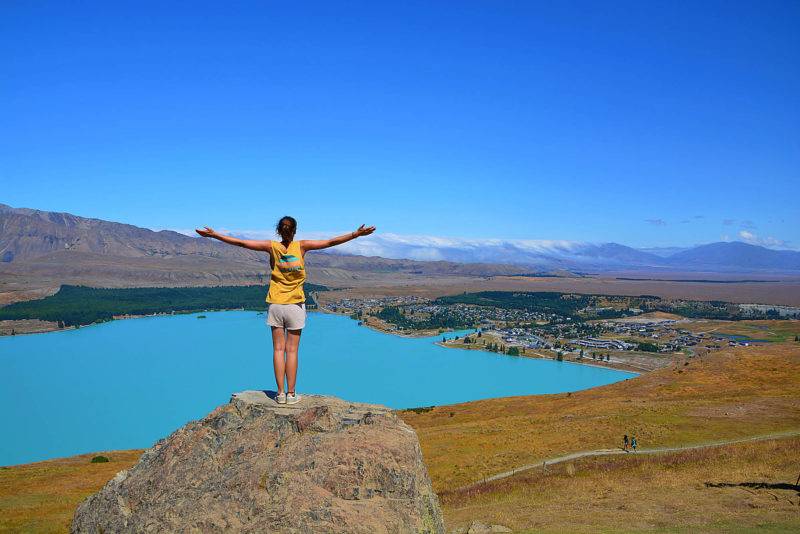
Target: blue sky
644 123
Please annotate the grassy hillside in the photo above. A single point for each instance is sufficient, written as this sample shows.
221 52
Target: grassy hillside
741 488
41 497
729 394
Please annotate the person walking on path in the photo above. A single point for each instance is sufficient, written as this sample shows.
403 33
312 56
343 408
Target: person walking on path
286 298
625 442
633 443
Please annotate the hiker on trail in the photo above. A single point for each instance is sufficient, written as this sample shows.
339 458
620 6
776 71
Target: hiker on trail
286 298
633 443
625 442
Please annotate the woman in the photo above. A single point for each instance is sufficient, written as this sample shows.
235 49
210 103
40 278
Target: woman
287 309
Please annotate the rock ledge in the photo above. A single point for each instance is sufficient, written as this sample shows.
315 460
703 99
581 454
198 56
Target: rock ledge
322 465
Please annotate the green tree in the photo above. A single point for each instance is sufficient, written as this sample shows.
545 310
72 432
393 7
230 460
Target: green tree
513 351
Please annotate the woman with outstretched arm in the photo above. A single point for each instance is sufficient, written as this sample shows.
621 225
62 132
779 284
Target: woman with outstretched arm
286 298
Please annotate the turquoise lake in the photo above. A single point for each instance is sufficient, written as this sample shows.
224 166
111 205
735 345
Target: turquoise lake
126 384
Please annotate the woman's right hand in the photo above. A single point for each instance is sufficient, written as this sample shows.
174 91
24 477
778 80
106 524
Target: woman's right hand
207 232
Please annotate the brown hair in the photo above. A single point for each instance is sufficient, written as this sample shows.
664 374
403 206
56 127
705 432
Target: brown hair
286 227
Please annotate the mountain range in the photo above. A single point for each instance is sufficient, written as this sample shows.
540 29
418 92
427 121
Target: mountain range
577 256
64 247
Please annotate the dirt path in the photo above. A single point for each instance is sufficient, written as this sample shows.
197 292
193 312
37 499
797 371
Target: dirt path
604 452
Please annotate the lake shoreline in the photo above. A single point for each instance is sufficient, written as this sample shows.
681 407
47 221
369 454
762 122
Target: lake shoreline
4 324
53 327
618 366
414 334
612 365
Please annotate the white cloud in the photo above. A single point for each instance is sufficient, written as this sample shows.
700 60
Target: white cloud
428 247
753 239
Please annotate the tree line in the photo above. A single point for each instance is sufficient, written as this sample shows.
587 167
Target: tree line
80 305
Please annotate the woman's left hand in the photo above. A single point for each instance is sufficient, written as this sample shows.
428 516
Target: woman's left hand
362 230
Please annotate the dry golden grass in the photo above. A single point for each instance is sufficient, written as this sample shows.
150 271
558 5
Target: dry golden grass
784 291
733 488
729 394
777 331
649 316
26 326
42 497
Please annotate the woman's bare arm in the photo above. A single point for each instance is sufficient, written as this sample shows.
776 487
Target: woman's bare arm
307 244
252 244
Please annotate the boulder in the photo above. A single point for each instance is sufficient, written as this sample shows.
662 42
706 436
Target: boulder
322 465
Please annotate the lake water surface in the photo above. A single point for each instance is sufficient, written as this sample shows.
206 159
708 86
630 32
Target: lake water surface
126 384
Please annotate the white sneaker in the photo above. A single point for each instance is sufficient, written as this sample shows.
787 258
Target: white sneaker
280 398
292 398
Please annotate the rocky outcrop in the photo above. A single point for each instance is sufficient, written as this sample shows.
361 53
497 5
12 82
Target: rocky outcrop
322 465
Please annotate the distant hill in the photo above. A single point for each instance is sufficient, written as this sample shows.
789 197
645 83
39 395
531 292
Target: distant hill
60 248
577 256
664 252
542 255
26 234
736 256
615 253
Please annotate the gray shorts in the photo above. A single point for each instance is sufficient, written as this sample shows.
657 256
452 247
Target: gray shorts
288 316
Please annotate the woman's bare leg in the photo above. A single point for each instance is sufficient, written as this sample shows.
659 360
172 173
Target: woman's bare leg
292 344
278 355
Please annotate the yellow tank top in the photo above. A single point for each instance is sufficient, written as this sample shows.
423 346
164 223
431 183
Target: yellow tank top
288 274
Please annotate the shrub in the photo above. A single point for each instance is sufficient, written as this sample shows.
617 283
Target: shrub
421 409
99 460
